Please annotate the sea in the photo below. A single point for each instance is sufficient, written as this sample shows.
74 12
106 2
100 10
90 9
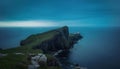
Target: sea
98 49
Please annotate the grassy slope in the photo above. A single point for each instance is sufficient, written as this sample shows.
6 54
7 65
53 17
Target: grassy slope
12 61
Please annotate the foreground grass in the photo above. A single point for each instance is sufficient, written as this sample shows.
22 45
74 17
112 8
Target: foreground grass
13 61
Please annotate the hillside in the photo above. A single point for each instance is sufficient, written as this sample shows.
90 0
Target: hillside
50 41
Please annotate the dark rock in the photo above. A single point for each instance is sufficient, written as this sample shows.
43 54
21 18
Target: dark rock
52 62
73 38
64 53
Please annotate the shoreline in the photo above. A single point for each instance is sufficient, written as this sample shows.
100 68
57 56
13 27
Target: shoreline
57 40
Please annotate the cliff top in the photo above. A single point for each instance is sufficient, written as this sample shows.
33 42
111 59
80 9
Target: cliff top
38 38
11 59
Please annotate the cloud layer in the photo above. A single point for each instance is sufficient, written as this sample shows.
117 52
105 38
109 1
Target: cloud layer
91 12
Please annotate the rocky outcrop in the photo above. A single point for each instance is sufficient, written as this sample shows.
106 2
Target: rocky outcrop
54 40
73 38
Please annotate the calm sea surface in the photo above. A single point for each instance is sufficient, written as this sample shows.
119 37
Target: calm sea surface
99 48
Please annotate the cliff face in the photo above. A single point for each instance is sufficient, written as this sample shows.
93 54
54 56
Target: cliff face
73 38
53 40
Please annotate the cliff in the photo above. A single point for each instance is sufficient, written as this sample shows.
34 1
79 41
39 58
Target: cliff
54 40
58 39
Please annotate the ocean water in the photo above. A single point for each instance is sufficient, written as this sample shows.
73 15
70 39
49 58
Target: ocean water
99 48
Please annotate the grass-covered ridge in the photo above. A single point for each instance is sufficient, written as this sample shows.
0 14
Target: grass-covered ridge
13 61
38 38
53 39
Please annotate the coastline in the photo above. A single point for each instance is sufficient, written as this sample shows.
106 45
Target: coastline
58 39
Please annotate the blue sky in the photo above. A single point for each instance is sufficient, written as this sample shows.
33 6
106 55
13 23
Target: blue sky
60 12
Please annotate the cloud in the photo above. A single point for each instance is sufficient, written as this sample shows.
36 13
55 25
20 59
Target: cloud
41 23
28 24
87 22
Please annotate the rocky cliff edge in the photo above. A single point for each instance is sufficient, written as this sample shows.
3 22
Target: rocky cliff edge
53 40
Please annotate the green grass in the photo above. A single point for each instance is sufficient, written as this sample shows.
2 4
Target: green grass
38 38
13 61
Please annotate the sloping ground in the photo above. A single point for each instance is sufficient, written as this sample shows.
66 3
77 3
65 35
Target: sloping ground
20 61
16 61
44 36
52 40
13 61
49 41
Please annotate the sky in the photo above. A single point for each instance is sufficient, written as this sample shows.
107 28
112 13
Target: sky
35 13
